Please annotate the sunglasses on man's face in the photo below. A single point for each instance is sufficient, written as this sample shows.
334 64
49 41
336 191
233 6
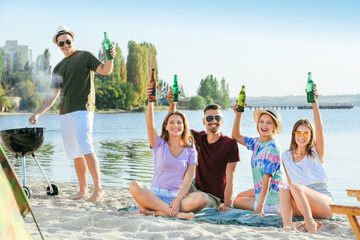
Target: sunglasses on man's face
68 42
210 118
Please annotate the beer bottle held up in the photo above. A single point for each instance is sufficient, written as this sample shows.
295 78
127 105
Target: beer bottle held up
153 85
175 90
310 89
241 100
107 46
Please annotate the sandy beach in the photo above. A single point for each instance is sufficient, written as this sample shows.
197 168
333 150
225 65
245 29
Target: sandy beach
61 218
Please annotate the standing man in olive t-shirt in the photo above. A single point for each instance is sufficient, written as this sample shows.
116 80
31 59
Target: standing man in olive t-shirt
73 80
218 155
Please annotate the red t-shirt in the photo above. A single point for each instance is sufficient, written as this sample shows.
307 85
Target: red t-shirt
212 161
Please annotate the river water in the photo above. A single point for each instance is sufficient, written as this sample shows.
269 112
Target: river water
120 140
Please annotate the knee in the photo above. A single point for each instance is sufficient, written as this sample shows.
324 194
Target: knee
296 188
134 186
202 199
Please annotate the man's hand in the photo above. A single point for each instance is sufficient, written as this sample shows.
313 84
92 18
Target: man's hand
33 119
224 208
112 51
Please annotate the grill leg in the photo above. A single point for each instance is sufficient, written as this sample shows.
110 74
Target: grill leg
24 170
14 162
43 173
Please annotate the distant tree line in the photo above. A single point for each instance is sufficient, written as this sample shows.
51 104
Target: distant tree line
124 88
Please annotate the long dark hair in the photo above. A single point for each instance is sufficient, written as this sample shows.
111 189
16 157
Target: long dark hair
186 137
308 124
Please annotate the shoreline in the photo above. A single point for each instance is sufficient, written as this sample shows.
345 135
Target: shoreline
62 218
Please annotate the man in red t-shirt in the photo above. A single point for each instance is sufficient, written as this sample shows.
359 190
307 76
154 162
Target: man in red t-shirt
218 155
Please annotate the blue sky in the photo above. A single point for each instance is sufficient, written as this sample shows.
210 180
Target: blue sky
268 46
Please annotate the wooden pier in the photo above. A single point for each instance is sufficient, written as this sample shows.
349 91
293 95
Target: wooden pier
327 106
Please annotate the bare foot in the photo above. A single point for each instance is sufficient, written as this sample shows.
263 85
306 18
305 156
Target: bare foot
289 228
186 216
96 196
79 196
147 212
182 215
311 225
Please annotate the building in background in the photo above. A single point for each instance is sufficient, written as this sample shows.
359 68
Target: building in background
15 53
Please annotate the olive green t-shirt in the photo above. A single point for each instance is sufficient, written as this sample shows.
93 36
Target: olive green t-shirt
74 76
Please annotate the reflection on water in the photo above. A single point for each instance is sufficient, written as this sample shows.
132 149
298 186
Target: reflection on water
126 160
120 162
43 155
121 144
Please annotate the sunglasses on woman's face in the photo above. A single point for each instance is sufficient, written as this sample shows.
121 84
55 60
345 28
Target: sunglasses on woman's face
68 42
210 118
305 134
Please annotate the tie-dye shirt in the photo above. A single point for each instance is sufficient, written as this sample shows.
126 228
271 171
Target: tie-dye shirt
266 160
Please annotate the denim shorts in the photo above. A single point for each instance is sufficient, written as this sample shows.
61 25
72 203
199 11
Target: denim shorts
165 195
321 188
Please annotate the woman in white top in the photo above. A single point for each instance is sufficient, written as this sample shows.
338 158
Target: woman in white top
307 195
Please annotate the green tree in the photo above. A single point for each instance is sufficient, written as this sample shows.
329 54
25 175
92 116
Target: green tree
197 102
225 97
2 62
209 89
135 71
205 88
163 89
182 91
209 100
140 61
5 102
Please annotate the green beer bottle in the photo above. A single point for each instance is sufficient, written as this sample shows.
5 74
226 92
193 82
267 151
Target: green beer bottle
310 89
175 90
107 45
241 100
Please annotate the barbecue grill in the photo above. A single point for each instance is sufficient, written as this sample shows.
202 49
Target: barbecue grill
24 141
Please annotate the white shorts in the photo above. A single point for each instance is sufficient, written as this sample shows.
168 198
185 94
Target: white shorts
76 130
269 209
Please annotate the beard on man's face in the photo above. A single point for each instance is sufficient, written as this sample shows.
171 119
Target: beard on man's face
213 129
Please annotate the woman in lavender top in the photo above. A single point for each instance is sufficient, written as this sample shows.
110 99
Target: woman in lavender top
175 161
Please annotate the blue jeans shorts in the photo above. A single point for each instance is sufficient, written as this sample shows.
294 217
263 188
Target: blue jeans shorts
165 195
321 188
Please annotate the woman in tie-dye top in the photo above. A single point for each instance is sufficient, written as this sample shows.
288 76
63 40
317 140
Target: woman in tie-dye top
266 165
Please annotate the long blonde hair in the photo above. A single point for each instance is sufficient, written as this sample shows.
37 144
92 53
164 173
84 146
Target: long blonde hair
293 144
186 138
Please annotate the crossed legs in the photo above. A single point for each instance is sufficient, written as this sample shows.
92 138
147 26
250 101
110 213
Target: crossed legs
149 204
300 200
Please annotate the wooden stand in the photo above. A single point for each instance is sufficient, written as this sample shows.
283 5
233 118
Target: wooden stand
350 211
353 193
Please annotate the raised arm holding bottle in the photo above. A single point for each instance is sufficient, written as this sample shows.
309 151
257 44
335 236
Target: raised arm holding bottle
268 176
308 195
218 155
73 80
175 160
